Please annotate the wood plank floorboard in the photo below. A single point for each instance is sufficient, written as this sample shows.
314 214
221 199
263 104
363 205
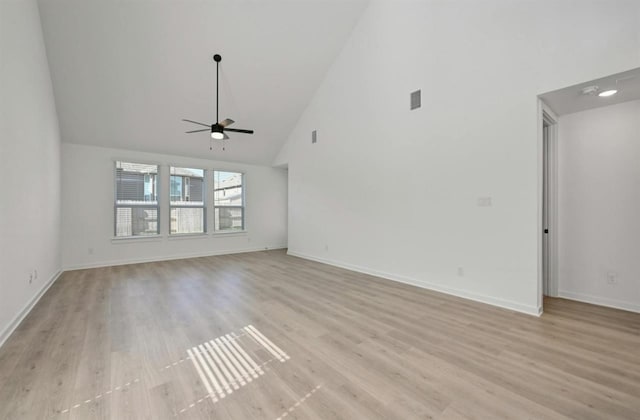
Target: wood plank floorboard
114 343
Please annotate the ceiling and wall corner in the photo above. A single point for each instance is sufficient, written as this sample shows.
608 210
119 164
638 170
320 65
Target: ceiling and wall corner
397 193
126 72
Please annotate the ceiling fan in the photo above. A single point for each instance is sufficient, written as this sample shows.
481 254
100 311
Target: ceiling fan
219 127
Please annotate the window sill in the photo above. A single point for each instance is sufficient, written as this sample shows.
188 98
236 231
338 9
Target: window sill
180 236
230 233
135 239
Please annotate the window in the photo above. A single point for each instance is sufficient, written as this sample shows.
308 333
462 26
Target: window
187 201
228 201
136 200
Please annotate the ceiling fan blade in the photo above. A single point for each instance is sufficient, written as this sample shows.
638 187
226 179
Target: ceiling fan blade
196 122
226 122
225 137
239 130
197 131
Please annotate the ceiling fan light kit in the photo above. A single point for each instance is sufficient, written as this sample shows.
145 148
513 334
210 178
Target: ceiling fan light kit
219 127
217 132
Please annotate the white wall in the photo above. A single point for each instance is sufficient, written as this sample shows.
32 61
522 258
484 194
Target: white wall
395 192
87 208
30 161
599 205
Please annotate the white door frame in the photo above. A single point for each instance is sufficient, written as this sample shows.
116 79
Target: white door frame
546 115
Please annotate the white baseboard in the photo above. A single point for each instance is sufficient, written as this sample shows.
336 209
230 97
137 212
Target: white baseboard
168 258
599 300
9 329
514 306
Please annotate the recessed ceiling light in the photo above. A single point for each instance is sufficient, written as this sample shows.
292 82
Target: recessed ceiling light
606 93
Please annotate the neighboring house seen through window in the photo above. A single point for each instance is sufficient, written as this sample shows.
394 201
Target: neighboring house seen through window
187 201
228 197
136 200
137 209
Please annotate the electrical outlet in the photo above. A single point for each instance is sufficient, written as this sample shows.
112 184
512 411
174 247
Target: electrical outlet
90 251
612 277
326 248
460 271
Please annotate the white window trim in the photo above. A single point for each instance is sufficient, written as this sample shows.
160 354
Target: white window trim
230 233
181 236
139 238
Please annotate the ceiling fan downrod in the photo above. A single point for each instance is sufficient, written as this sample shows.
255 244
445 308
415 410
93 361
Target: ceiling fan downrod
218 128
217 58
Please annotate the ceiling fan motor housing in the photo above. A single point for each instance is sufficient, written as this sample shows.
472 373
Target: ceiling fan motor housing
217 128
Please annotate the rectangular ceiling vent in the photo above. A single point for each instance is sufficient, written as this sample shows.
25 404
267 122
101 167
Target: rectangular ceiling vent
415 99
314 136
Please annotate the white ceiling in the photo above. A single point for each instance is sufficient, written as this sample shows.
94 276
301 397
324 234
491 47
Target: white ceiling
570 99
126 72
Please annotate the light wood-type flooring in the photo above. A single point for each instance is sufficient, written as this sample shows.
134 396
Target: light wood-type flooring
115 343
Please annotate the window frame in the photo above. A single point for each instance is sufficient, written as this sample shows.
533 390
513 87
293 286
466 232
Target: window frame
204 207
157 206
243 207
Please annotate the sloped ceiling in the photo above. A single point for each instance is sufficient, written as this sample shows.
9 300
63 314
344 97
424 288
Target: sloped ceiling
126 72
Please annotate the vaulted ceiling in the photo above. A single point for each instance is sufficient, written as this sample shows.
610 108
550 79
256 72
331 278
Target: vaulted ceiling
126 72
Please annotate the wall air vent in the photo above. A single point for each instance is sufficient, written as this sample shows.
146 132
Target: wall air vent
415 99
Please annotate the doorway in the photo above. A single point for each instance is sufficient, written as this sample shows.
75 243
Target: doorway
587 185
